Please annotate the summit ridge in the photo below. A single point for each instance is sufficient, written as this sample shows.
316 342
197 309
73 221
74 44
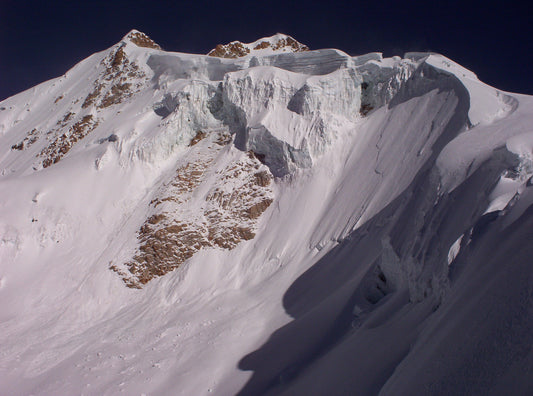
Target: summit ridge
278 43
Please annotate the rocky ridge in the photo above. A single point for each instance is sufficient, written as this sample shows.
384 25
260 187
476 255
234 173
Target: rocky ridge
279 43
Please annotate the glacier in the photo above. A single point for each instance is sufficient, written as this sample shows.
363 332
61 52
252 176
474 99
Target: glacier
266 219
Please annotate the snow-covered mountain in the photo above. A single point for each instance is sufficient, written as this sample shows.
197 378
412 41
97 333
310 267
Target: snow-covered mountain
265 219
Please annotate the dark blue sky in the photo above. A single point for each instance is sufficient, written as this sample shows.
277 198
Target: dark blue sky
43 39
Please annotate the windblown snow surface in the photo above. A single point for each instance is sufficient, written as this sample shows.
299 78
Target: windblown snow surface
329 225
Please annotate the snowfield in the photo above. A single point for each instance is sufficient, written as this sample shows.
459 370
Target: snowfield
271 221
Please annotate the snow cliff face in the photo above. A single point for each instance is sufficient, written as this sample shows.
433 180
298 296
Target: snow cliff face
266 218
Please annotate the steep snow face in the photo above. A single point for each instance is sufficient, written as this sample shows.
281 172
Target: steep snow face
168 214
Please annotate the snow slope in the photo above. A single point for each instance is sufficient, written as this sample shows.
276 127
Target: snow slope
279 222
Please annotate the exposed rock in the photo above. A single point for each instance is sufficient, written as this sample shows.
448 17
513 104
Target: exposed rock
117 93
262 178
256 210
226 217
120 78
116 82
66 119
142 40
119 58
262 45
199 136
90 99
232 50
61 145
18 146
278 42
30 139
291 43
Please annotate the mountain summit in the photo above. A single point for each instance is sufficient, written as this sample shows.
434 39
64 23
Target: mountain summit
265 220
140 39
277 43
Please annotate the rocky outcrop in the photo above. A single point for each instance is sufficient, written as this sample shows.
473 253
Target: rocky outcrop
232 50
61 144
277 43
285 42
182 223
141 40
120 79
28 141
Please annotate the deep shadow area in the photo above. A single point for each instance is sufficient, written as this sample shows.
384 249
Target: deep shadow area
479 341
